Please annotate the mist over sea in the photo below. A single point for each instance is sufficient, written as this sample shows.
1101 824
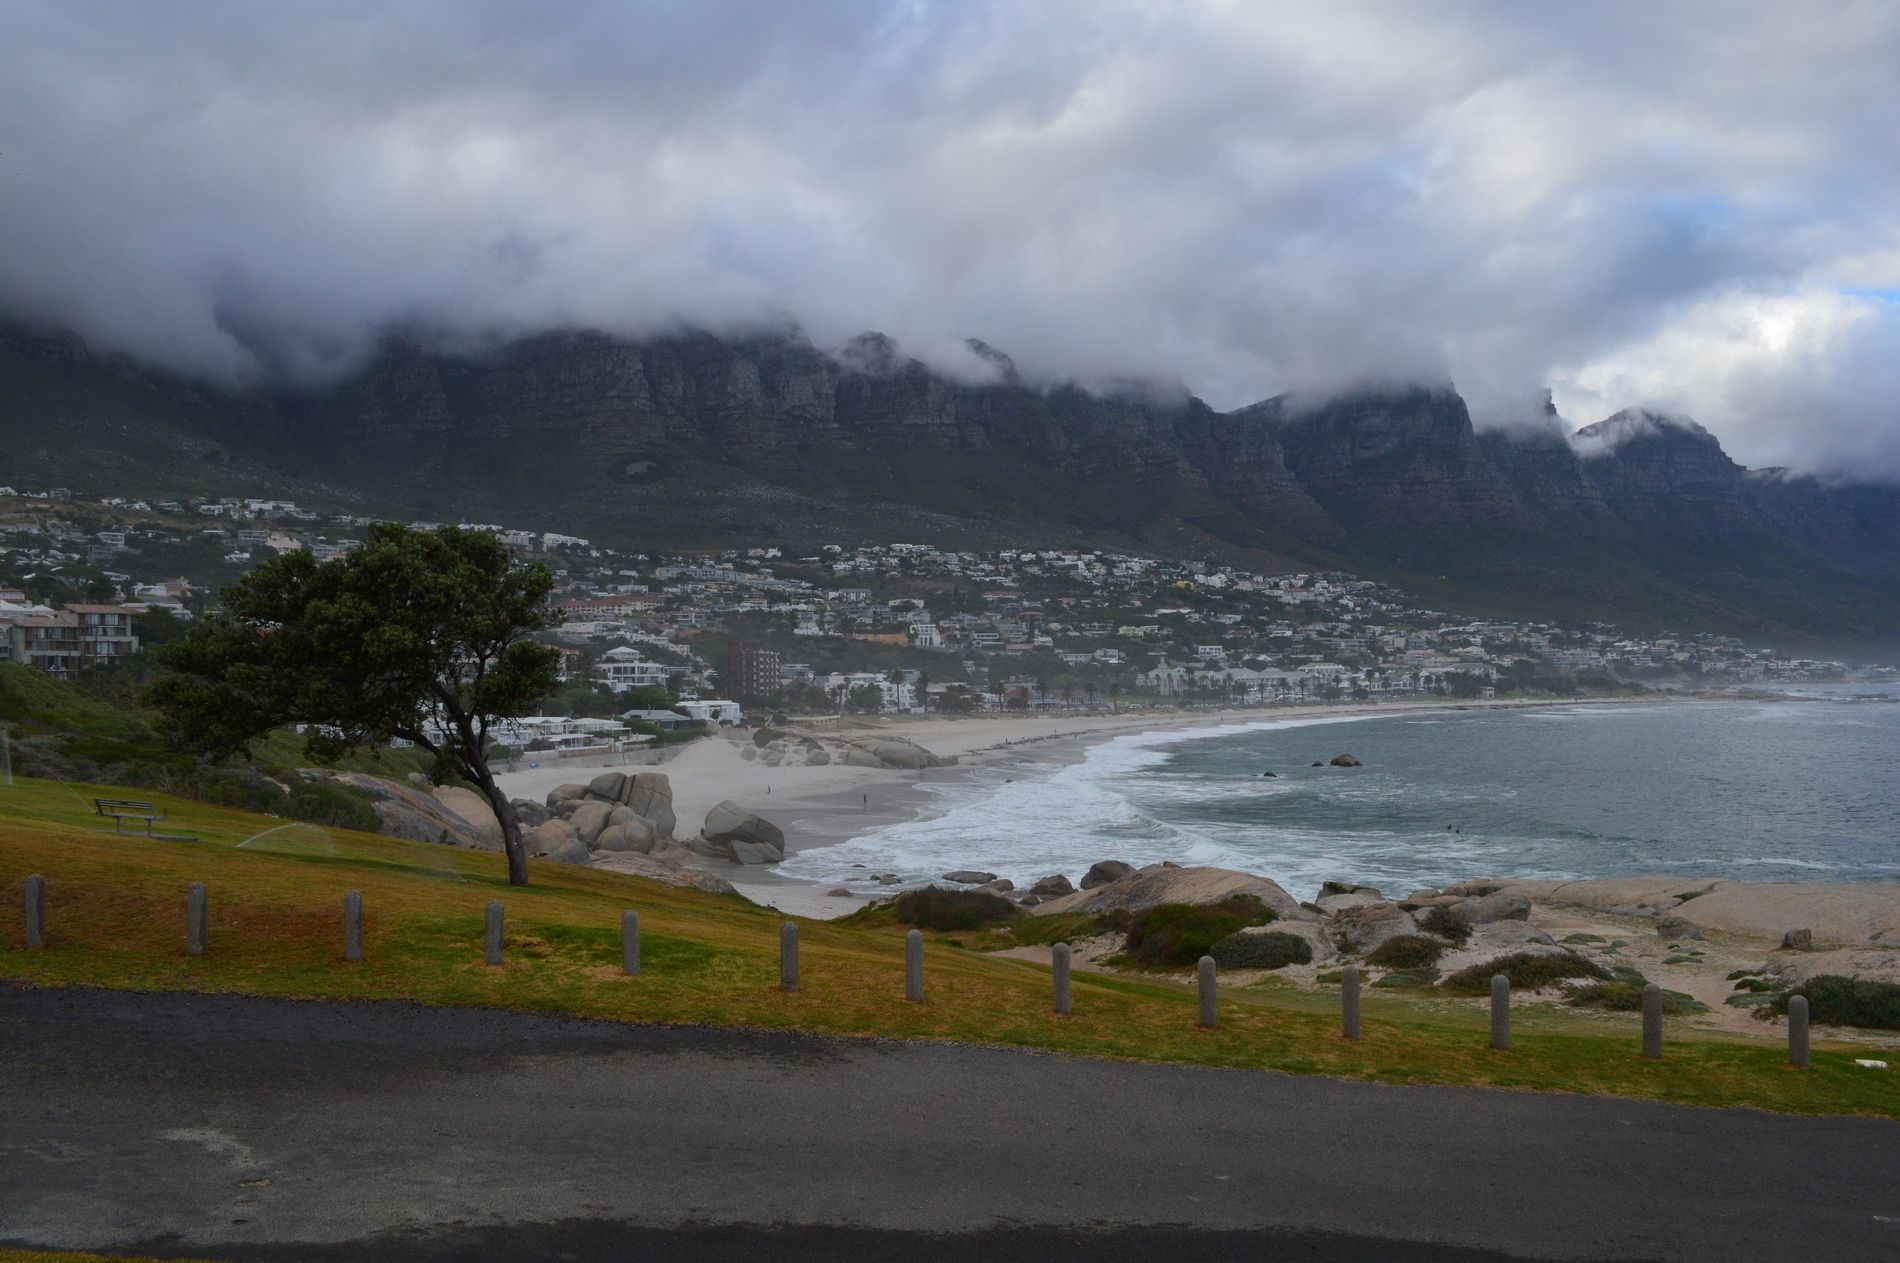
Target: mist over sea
1758 791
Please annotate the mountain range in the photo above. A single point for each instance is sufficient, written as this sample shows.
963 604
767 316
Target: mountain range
697 441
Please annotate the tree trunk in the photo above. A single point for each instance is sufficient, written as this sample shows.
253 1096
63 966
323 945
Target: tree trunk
511 839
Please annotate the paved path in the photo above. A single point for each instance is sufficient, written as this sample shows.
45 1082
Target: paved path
274 1130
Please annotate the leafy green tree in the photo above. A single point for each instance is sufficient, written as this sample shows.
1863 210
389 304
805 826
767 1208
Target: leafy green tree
422 635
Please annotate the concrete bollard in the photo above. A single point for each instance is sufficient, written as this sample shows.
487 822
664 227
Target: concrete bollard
914 966
1210 1012
197 918
1059 967
493 944
35 912
1500 1012
1652 1022
630 942
353 926
788 956
1349 1002
1798 1031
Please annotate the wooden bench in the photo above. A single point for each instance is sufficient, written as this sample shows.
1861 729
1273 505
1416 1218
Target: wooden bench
120 810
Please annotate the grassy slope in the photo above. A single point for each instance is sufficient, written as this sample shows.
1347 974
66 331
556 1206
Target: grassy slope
116 910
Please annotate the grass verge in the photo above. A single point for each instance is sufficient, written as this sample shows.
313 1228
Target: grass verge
117 919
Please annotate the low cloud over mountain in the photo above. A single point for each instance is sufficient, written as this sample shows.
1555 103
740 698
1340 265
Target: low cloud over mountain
1690 208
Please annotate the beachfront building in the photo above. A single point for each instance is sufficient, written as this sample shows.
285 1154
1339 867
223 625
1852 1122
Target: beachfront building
625 668
64 642
714 711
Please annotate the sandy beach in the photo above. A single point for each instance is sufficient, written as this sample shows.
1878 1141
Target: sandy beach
821 806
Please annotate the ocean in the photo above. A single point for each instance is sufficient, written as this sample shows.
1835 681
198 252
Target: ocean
1759 791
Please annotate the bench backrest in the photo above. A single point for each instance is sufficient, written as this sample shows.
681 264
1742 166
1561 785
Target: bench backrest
107 805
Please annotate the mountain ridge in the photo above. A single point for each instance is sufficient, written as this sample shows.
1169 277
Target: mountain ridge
693 440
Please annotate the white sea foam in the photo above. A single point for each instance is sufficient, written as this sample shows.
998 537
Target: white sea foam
1686 789
1048 820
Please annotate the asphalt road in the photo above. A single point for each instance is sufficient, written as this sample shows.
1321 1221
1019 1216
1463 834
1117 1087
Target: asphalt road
273 1130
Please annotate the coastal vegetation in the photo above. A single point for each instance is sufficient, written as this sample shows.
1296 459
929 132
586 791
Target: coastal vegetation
1176 934
1527 971
1272 950
417 635
87 732
1410 951
1847 1001
116 919
933 908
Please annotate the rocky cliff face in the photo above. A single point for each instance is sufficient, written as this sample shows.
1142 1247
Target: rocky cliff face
692 440
1537 459
1394 462
1666 474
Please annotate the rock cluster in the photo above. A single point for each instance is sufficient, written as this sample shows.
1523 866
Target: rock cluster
615 813
802 749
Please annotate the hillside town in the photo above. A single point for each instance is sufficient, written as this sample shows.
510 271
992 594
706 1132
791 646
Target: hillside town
880 628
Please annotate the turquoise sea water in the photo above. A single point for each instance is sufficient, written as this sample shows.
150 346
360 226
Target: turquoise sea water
1759 791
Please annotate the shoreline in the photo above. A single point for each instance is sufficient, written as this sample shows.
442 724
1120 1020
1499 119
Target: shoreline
824 806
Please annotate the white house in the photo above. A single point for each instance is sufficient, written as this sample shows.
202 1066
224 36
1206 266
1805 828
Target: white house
623 668
714 711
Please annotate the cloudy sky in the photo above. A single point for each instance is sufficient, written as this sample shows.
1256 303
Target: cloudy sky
1688 206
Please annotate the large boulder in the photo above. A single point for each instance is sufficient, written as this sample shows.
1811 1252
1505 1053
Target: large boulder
1054 886
658 868
406 811
1171 883
1335 902
562 794
754 853
743 837
888 752
471 807
529 813
651 794
589 819
1346 760
608 787
1368 928
1106 871
635 833
1503 906
558 840
969 877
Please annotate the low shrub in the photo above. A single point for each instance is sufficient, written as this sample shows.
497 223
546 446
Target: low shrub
1624 997
1444 924
324 802
1062 927
1272 950
933 908
1182 933
1840 1001
1527 972
1407 951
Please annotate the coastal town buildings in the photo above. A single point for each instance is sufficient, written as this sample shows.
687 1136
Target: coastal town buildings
876 627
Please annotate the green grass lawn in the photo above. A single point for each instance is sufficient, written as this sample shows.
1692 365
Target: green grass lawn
117 919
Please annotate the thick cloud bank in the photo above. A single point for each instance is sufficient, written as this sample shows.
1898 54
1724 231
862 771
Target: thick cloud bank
1693 207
